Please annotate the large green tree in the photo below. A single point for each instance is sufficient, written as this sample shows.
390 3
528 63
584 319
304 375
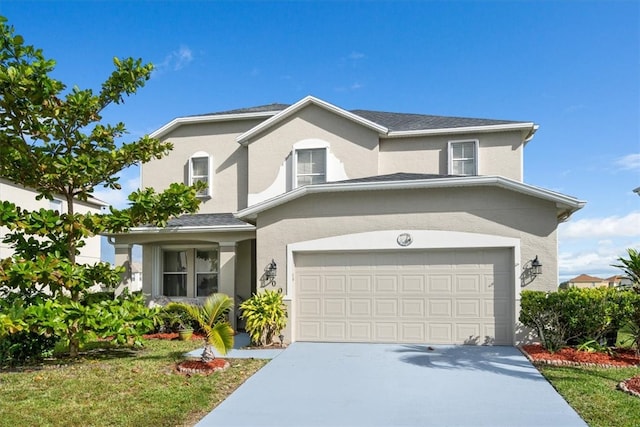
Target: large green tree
53 140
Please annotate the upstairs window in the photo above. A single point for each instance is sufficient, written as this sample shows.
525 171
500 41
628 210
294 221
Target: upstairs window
311 166
463 157
200 171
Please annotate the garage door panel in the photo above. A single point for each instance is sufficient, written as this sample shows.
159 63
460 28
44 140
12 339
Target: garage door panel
386 284
468 283
335 331
412 332
360 308
439 308
386 307
359 284
359 331
468 333
385 331
413 284
309 307
465 308
405 296
335 307
309 283
335 284
440 333
412 308
439 283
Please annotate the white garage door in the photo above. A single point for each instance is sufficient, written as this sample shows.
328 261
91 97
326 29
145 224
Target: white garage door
431 296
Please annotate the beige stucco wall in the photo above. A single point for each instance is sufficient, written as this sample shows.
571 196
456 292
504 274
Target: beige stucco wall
26 199
485 210
353 144
499 154
229 190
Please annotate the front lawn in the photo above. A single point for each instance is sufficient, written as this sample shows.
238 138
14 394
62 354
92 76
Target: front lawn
118 388
592 393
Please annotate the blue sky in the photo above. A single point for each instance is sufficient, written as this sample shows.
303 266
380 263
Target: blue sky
573 67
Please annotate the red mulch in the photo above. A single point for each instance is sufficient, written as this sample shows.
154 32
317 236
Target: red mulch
170 336
571 356
620 358
189 367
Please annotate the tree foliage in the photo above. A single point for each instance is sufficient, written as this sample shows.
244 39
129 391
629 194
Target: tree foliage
53 140
631 267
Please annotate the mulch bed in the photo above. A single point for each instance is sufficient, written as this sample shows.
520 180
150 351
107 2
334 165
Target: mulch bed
190 367
170 336
619 358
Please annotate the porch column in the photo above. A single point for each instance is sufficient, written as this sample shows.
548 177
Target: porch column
227 275
123 259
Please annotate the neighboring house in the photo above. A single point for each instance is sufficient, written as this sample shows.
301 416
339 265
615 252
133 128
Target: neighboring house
384 227
26 199
586 281
619 282
136 277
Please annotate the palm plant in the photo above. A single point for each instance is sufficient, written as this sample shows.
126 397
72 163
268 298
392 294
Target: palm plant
631 267
213 320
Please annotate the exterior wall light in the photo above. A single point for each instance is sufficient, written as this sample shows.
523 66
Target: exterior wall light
536 267
270 273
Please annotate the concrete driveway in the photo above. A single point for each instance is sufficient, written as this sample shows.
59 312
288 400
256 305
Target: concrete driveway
330 384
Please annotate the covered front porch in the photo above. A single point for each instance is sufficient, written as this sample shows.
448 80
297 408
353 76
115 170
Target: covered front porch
191 258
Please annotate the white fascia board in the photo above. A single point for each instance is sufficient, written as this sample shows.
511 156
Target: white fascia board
207 119
245 137
532 127
191 229
567 202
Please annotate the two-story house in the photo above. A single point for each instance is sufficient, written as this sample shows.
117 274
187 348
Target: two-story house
26 199
384 227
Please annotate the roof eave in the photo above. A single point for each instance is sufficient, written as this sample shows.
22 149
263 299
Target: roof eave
566 204
186 229
292 109
507 127
179 121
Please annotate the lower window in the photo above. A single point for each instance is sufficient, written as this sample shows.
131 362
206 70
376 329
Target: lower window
190 272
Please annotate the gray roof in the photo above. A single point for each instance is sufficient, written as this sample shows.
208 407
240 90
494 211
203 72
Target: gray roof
392 121
399 176
206 220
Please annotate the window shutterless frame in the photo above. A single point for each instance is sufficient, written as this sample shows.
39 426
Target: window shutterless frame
463 157
201 170
310 166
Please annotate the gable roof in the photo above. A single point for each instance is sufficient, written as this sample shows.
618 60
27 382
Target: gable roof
566 205
586 278
309 100
388 124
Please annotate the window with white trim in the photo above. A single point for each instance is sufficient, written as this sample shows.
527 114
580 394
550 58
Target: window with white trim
190 272
55 205
174 273
206 272
463 157
200 171
311 166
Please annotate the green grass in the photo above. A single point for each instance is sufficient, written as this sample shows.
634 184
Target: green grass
592 393
118 388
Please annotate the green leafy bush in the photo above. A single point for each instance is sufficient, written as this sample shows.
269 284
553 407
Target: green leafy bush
25 347
174 317
577 316
265 315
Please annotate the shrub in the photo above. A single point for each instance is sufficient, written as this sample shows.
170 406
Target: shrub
25 347
265 315
174 317
577 316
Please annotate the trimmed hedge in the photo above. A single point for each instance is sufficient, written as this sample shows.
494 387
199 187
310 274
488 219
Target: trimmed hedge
577 316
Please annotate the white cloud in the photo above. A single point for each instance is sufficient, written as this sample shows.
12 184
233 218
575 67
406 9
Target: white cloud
612 226
176 60
630 161
356 86
354 56
118 198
